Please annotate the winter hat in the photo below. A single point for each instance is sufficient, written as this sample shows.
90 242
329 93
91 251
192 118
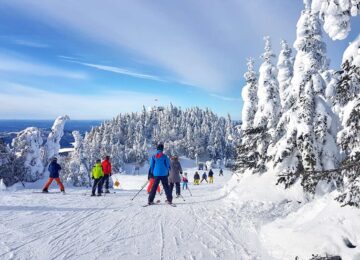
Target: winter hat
54 159
107 157
160 147
98 161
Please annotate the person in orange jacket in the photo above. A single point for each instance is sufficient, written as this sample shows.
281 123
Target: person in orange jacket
106 165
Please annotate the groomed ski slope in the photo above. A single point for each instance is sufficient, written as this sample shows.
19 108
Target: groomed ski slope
231 219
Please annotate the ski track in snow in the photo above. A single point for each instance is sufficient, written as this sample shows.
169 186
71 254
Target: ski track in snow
205 226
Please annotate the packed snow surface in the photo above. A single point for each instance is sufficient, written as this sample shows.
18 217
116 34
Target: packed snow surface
245 217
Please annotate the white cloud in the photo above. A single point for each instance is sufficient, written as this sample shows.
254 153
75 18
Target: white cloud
19 101
26 67
204 43
224 98
32 44
119 70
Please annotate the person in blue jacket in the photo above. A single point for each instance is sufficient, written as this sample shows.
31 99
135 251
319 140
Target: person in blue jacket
160 166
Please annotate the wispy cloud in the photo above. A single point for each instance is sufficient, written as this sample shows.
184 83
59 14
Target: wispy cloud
224 98
119 70
32 44
41 104
23 66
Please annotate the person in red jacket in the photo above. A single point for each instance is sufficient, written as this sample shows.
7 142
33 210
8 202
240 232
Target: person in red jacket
106 165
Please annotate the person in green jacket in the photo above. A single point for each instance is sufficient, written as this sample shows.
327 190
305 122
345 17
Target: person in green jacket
97 174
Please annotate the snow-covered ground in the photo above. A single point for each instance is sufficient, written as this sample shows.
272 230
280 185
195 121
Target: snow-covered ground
234 218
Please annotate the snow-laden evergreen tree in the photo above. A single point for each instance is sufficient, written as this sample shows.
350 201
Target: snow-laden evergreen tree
76 171
6 162
269 107
247 155
27 149
249 96
308 127
52 145
336 15
348 103
285 72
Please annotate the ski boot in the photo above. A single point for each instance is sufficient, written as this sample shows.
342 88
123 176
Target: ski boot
45 191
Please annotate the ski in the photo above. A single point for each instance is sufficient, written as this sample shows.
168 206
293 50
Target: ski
146 205
53 192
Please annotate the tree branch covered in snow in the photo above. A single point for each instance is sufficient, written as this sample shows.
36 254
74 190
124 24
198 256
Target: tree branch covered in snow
336 15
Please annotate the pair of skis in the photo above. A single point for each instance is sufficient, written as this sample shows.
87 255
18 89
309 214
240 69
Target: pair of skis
158 203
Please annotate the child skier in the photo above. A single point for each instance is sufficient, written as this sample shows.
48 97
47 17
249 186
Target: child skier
204 177
106 165
97 175
221 172
196 178
54 169
151 183
185 181
211 176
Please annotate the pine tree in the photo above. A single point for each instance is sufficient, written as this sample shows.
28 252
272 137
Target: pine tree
348 100
26 146
249 96
285 74
75 171
308 142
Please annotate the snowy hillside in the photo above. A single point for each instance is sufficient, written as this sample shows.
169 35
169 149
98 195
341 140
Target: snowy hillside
234 218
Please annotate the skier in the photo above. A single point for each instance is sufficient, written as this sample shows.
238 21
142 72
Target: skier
97 175
159 166
106 166
54 169
204 177
221 172
196 178
211 176
185 181
174 175
151 183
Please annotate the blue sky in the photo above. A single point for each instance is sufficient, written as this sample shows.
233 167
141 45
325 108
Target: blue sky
94 59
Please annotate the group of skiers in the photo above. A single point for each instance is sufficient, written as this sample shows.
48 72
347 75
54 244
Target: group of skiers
101 173
204 177
162 169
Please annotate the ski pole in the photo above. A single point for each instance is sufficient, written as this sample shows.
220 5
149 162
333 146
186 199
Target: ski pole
182 197
140 189
189 190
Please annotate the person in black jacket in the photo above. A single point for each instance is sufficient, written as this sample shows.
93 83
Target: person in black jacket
196 178
54 169
221 172
203 177
211 176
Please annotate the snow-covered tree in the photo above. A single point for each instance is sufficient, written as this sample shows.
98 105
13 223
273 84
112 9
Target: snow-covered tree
308 141
268 111
52 146
336 15
285 73
6 169
27 149
348 102
76 171
249 96
269 107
